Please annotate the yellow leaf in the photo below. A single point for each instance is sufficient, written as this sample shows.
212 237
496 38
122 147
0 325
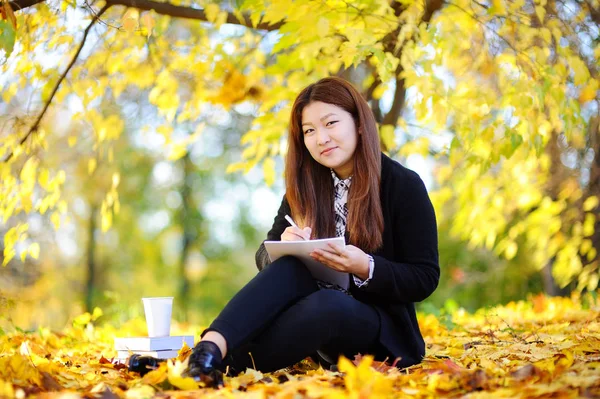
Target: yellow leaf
588 93
55 219
175 369
43 178
9 92
345 365
388 137
498 7
511 250
6 389
565 360
83 319
590 203
323 27
116 178
178 151
34 250
250 376
12 236
211 11
540 12
269 171
156 376
106 221
62 206
92 165
221 18
379 91
418 146
26 202
97 313
9 253
580 70
28 173
141 392
235 167
130 20
148 22
588 224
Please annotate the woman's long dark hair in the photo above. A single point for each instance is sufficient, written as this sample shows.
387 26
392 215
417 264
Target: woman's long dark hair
309 186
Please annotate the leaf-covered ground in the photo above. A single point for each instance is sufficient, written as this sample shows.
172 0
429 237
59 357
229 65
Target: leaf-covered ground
540 348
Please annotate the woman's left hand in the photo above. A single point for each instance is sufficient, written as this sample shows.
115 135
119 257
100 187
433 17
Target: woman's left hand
349 259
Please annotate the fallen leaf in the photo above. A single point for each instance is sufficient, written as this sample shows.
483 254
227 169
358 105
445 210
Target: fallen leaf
175 369
49 383
525 372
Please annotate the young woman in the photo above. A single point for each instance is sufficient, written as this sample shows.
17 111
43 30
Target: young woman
338 183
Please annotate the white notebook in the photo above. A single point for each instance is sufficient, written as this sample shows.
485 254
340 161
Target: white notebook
173 342
302 250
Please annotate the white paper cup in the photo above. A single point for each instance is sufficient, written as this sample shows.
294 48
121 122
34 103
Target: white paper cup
158 315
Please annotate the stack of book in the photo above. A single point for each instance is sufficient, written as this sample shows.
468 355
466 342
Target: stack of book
158 347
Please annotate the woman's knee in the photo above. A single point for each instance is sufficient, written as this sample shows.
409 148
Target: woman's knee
289 267
328 306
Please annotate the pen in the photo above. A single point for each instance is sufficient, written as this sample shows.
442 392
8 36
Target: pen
289 219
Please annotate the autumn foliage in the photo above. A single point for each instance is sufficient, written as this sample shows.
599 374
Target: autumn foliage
501 95
540 348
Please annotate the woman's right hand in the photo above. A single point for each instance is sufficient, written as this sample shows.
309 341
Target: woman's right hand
292 233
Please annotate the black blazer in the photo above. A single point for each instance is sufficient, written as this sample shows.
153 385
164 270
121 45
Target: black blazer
406 266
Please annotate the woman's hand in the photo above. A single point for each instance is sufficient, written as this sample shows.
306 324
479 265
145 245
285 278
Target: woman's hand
292 233
349 259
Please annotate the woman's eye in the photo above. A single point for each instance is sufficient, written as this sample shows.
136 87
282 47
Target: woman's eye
307 131
331 123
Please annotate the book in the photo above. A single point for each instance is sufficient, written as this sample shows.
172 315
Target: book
174 342
302 250
165 354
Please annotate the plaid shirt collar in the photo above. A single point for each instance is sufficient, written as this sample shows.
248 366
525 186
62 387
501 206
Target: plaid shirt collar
337 180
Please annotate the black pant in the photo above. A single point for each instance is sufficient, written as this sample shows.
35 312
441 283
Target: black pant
282 317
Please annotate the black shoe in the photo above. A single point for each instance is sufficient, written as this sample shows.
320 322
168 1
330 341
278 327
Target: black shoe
143 364
205 365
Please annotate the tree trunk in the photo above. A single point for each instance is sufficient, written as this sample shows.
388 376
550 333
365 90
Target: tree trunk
188 235
558 174
550 286
593 188
91 265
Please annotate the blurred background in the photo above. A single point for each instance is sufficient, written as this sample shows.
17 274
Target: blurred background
158 168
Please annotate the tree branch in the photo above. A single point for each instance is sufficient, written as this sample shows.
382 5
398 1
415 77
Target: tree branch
374 85
176 11
190 13
164 8
36 124
391 118
431 7
594 13
18 5
393 114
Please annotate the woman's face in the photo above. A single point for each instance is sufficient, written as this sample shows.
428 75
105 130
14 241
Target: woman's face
330 136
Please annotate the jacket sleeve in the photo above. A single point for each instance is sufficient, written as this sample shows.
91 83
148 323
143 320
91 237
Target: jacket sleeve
414 273
279 225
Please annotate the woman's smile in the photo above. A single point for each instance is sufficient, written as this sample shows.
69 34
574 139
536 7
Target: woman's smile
328 151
